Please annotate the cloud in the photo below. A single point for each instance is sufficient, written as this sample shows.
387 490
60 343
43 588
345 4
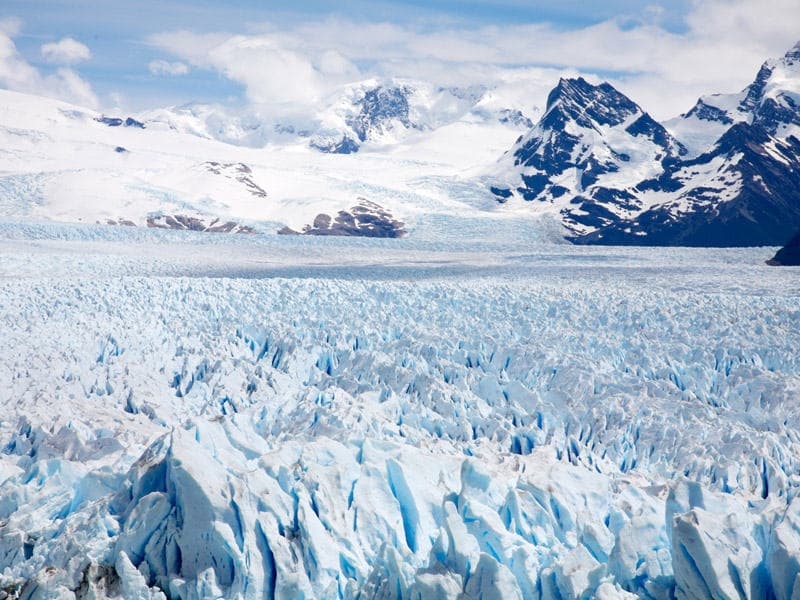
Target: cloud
718 49
66 51
163 67
10 26
18 75
274 68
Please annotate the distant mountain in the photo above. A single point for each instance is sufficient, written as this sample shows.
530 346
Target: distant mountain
382 113
586 155
377 113
212 169
727 175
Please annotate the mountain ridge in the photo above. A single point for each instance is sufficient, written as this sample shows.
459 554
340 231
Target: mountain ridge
723 173
738 190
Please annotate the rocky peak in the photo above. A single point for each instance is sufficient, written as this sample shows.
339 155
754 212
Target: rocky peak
588 105
379 106
793 55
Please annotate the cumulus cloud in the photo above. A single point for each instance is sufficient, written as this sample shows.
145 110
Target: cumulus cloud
719 50
19 75
275 68
163 67
66 51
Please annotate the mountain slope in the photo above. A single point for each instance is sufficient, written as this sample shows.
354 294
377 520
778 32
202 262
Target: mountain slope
65 163
789 255
615 176
745 189
383 113
744 192
376 113
585 156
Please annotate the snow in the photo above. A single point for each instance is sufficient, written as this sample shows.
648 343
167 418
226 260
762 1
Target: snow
717 175
60 163
198 416
697 134
476 410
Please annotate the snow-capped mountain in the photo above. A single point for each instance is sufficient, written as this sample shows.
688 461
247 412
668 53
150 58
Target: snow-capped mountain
725 173
743 190
371 112
236 127
195 169
376 112
383 113
586 154
771 100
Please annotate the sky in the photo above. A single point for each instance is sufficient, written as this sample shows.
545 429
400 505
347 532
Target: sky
123 56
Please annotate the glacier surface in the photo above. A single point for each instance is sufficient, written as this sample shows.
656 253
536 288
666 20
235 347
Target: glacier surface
184 417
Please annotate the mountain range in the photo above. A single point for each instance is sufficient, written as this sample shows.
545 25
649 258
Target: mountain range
614 175
725 173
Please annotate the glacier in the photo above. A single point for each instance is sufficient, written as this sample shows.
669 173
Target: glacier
187 416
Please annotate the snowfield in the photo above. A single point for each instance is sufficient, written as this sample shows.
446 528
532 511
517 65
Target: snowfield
196 416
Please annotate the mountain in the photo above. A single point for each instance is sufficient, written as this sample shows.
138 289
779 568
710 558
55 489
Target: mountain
594 163
727 173
378 113
200 168
381 113
789 255
743 192
585 156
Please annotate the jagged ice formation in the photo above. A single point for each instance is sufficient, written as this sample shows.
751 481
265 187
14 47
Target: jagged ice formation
578 424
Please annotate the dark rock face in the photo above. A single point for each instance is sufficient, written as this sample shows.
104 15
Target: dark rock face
121 221
515 117
502 194
187 223
789 255
378 107
117 122
706 112
763 211
346 145
365 219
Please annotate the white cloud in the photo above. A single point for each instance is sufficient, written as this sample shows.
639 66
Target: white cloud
723 44
163 67
274 68
10 26
18 75
66 51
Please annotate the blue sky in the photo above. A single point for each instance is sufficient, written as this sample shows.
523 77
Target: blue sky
201 45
